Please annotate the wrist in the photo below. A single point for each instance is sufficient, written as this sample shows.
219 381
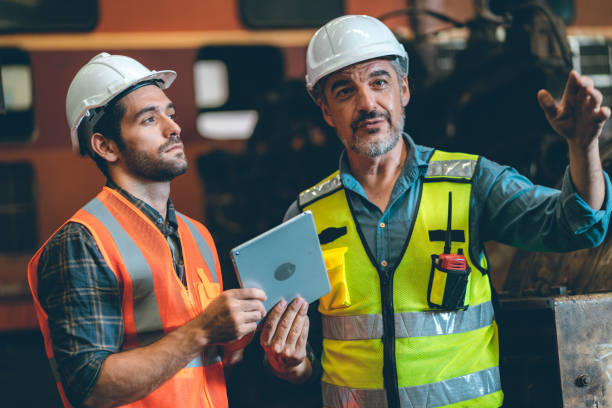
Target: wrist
197 336
581 148
297 374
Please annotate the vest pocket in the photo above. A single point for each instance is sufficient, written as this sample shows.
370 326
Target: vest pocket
207 290
338 297
448 289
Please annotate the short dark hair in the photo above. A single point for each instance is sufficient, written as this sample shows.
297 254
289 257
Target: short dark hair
107 122
109 125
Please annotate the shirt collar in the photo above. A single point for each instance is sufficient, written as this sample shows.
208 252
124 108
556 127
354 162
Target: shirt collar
171 223
414 167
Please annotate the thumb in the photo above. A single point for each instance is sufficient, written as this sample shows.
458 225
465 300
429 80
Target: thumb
547 103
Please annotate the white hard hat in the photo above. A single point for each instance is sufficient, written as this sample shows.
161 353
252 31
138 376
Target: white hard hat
347 40
104 77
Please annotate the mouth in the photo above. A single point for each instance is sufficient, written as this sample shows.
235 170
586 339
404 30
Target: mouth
174 147
370 123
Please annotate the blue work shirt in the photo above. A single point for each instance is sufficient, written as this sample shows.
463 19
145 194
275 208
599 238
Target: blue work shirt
505 207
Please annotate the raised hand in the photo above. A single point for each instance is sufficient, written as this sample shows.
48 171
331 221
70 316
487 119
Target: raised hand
284 338
579 116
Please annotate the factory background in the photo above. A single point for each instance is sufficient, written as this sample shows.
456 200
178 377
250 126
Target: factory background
254 140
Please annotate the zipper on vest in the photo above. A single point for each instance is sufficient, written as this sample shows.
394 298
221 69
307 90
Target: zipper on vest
388 339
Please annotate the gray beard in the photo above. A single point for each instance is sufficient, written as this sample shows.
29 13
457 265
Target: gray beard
379 148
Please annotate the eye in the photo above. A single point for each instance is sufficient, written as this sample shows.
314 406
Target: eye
148 120
379 83
343 92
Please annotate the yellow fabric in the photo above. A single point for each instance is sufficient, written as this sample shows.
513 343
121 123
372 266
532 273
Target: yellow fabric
339 296
419 360
439 283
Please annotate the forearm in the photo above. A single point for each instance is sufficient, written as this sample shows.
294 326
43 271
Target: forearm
587 173
131 375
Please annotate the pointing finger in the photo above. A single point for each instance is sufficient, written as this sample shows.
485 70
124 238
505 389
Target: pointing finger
547 103
573 84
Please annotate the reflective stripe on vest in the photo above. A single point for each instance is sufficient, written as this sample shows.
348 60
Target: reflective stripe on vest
146 310
207 254
320 190
451 168
438 394
408 324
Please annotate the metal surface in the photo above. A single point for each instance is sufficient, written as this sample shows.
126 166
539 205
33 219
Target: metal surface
557 351
584 342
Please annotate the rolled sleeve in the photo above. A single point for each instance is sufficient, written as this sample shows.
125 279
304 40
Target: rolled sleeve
82 298
580 217
518 213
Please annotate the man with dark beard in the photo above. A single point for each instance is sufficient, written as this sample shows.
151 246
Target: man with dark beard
128 291
410 319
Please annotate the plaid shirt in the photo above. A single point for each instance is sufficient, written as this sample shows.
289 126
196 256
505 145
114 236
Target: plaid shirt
82 298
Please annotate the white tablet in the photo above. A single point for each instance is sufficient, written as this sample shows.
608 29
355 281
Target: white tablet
285 262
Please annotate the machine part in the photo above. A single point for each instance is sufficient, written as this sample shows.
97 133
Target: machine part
556 351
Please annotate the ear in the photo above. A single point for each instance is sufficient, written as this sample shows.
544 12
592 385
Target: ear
326 113
105 148
405 91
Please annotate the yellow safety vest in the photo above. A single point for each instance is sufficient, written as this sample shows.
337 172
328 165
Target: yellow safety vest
383 344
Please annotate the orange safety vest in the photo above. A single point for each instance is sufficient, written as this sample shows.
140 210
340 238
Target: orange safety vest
154 300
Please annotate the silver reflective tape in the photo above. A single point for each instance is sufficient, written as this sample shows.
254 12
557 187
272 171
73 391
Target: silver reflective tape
408 324
212 355
442 393
148 338
319 190
146 310
453 390
335 396
360 327
196 362
434 323
205 250
451 168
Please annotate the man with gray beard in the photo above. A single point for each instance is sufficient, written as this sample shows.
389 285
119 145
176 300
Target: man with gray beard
410 320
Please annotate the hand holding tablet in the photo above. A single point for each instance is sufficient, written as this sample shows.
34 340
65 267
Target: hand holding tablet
285 262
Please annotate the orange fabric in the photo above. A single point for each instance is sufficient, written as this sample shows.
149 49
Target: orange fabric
41 315
197 387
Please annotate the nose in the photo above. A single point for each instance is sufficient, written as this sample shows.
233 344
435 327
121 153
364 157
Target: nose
366 99
172 128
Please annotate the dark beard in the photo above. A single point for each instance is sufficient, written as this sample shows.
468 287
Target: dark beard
155 169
